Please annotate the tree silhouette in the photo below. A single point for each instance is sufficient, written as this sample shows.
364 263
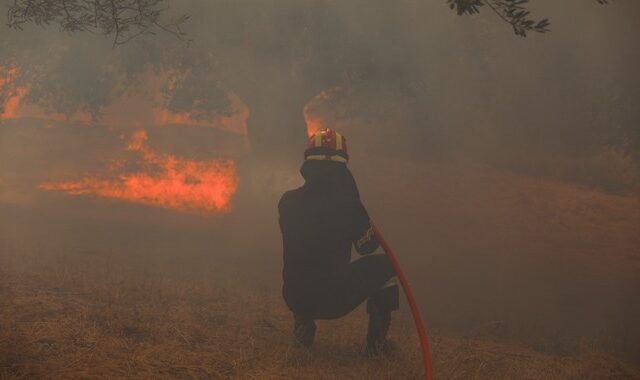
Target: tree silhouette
122 19
127 19
513 12
276 57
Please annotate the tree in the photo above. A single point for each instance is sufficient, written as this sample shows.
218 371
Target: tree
513 12
122 19
127 19
276 56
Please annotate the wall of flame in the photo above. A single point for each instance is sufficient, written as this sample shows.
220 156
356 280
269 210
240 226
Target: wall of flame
167 181
162 180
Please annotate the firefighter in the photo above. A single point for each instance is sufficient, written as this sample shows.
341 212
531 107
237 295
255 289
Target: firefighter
320 222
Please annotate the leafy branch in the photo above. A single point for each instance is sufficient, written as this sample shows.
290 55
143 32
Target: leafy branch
122 19
513 12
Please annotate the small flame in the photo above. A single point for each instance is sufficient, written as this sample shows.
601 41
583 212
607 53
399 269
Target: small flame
313 124
313 110
180 184
235 122
13 94
125 111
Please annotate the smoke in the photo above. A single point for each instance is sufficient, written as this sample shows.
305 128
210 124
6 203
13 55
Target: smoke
503 170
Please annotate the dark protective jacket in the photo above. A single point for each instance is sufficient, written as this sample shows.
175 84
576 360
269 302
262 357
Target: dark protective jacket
320 222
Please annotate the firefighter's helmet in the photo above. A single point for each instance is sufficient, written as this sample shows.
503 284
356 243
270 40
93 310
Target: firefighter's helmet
327 144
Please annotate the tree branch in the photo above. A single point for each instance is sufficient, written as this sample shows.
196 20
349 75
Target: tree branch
513 12
122 19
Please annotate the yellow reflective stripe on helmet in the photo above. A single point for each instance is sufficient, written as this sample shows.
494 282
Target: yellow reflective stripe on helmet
318 139
338 141
321 157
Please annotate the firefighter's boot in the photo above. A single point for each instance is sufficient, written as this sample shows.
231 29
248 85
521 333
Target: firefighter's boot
377 343
304 330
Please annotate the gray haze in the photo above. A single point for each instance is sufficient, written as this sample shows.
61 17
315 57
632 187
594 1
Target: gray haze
504 170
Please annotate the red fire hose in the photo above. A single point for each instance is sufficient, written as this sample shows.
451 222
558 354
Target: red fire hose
424 343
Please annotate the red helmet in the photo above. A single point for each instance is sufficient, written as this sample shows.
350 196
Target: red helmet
327 144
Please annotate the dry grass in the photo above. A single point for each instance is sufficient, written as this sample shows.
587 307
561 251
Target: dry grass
69 317
544 259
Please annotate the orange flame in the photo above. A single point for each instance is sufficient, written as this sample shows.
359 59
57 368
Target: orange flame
13 94
311 110
125 111
313 124
236 122
180 184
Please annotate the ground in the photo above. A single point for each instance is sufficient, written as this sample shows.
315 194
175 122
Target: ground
72 315
517 278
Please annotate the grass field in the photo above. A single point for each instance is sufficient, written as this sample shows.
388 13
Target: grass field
517 278
71 316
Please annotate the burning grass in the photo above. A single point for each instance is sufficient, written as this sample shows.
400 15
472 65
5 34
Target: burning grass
182 184
74 316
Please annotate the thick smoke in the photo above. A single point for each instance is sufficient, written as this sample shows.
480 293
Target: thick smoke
505 170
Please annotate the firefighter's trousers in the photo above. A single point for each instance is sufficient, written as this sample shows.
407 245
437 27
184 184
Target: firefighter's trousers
368 278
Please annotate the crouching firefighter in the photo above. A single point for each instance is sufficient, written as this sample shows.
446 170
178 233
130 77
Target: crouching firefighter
320 222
